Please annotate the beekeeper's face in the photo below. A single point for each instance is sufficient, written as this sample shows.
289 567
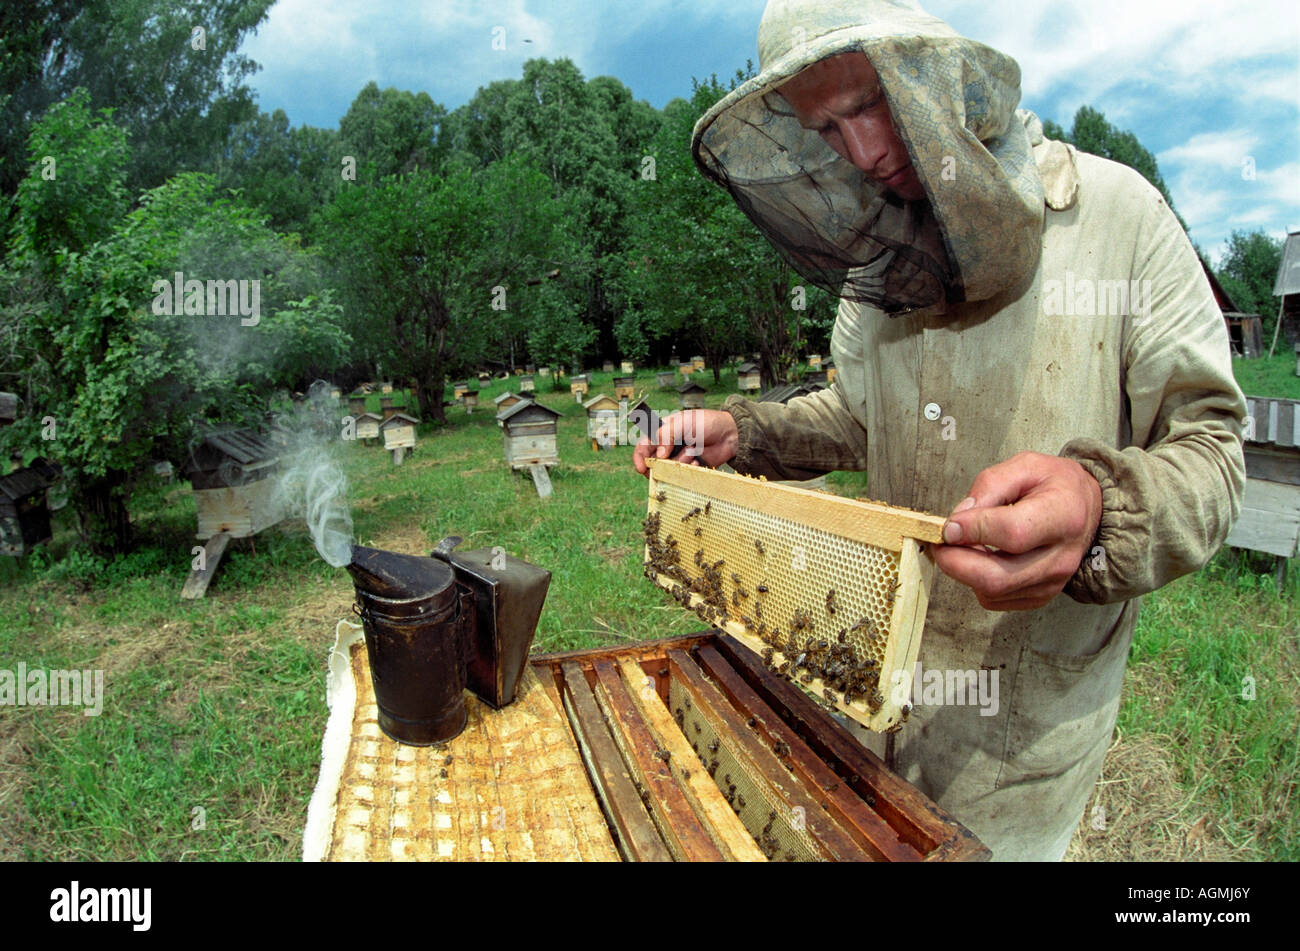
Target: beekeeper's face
840 98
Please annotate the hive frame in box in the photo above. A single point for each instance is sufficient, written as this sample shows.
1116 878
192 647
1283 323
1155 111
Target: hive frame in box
845 583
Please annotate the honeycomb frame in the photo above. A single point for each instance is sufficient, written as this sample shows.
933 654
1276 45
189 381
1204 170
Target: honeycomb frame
831 592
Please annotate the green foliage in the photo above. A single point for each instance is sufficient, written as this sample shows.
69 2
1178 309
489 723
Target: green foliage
392 131
422 255
697 272
124 378
1249 271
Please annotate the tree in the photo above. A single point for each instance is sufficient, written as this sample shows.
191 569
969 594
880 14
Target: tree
1249 271
435 265
391 131
117 374
697 271
287 172
170 69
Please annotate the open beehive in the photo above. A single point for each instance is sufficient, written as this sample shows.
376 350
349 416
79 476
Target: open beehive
830 592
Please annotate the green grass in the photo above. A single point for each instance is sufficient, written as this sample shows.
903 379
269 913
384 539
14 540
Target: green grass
218 705
1274 378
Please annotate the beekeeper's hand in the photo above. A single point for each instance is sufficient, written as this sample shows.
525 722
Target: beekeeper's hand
695 436
1039 513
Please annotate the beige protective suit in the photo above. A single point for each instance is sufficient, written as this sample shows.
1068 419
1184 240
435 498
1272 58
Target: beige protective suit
1000 346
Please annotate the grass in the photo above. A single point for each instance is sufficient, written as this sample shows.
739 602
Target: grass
214 710
1273 378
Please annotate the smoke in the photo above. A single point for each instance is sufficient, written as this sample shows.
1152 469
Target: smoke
312 485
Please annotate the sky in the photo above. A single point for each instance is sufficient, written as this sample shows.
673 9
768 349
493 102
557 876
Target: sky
1212 87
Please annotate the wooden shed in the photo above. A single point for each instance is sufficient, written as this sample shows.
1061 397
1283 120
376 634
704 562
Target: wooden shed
624 387
24 514
602 421
749 378
529 430
234 491
691 395
578 386
399 435
1245 334
1270 514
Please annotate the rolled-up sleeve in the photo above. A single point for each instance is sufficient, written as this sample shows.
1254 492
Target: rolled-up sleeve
803 439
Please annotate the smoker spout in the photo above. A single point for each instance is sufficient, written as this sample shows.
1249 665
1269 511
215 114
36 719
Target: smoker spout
388 574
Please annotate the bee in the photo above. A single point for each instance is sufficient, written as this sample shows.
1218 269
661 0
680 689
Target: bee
707 506
447 761
893 591
829 694
664 755
713 745
661 497
750 722
692 513
781 748
442 773
767 656
762 589
741 801
686 774
758 612
699 558
830 601
807 677
735 579
759 545
699 532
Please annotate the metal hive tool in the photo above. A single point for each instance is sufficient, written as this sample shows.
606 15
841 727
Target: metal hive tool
831 592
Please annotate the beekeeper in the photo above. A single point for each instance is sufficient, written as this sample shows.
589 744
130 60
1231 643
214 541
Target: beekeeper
1025 339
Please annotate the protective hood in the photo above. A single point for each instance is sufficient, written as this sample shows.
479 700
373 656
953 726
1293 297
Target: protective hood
953 103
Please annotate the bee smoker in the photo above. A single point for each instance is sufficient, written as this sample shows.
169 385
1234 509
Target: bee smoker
434 625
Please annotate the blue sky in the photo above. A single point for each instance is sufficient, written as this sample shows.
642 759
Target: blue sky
1212 87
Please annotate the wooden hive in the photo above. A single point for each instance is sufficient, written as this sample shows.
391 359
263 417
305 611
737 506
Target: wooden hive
607 366
665 380
602 421
386 387
544 372
691 395
697 363
578 386
24 513
698 753
504 402
368 426
624 387
829 367
686 369
530 430
460 389
234 489
526 384
834 589
399 431
356 404
8 408
749 378
627 366
815 361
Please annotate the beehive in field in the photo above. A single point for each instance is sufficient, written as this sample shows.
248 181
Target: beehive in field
831 592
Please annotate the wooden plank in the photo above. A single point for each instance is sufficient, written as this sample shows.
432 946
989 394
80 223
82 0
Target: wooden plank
541 480
915 572
706 800
638 840
1273 464
1270 519
398 455
196 585
679 826
919 822
867 827
642 653
762 765
868 522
